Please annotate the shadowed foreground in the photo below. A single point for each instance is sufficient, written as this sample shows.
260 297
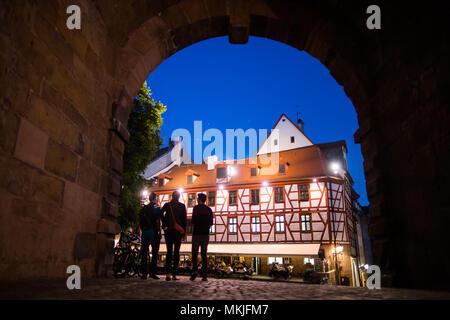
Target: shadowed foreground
214 289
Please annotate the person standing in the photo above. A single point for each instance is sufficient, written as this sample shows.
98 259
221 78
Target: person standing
202 220
149 220
174 217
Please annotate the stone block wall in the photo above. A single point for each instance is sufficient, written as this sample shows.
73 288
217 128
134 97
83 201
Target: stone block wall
66 95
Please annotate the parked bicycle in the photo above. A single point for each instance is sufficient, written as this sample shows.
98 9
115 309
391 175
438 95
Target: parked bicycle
127 255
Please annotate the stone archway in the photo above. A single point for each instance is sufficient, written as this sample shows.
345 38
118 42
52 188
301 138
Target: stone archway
71 92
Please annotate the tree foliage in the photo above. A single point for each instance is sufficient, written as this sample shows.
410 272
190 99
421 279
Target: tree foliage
145 139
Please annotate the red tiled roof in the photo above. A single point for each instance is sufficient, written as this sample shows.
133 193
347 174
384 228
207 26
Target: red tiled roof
303 163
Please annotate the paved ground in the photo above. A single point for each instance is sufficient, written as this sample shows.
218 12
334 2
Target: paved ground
217 289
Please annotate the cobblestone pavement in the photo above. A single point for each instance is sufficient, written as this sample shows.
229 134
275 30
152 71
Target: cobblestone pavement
217 289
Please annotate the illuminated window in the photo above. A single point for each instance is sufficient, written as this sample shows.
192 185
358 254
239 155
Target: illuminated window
308 260
271 260
232 225
256 224
212 229
191 200
279 223
255 196
304 192
232 198
279 195
306 222
212 198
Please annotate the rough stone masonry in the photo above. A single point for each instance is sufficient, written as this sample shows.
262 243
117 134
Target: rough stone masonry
66 95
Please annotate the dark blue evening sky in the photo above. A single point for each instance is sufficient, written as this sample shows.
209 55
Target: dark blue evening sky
249 86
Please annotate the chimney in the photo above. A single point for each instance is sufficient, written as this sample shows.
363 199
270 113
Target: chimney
301 125
212 160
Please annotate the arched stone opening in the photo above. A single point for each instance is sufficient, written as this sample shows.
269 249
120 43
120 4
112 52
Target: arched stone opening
72 91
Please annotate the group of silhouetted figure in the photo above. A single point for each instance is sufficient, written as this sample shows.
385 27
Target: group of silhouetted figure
172 219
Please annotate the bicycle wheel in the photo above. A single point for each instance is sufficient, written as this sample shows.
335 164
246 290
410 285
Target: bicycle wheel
119 268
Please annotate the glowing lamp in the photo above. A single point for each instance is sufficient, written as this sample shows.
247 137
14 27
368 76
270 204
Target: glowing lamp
335 166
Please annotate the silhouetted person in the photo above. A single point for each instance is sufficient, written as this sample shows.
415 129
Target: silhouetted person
175 209
202 220
149 219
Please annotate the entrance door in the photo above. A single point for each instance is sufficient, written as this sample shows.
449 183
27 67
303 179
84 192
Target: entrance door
355 273
256 265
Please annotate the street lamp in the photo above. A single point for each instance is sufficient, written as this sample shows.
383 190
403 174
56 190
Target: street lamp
335 166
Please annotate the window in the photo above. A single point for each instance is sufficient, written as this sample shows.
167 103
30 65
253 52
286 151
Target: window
232 198
189 179
212 198
292 139
279 195
212 229
181 153
256 224
161 182
191 200
282 169
255 196
275 142
308 260
279 223
271 260
306 222
304 193
189 226
232 225
221 172
253 172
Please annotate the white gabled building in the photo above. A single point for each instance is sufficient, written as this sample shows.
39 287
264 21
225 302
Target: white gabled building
298 211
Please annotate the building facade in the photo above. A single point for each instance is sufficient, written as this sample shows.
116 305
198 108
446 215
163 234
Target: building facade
292 203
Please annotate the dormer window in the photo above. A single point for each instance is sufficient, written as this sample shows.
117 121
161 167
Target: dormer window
253 172
275 142
189 179
282 169
221 172
292 139
161 182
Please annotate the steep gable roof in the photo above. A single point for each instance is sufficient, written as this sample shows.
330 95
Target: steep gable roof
285 130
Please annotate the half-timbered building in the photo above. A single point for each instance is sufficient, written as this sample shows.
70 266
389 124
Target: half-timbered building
291 203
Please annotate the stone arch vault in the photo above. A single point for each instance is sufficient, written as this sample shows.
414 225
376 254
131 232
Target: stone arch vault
66 95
